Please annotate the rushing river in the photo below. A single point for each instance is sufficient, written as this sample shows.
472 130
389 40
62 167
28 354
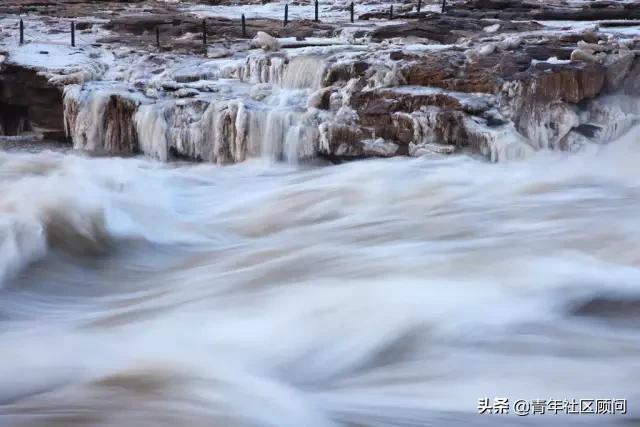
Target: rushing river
375 293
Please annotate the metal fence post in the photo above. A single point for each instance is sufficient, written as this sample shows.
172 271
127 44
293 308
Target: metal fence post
73 34
286 14
244 27
21 32
204 32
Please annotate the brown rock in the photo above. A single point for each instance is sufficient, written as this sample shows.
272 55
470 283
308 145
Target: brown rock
444 29
29 102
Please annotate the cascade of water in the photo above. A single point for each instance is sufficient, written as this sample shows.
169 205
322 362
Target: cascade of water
304 72
280 127
84 117
497 144
224 132
298 72
223 128
263 69
152 131
614 115
100 119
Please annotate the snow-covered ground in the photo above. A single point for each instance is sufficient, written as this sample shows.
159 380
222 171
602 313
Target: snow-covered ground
337 11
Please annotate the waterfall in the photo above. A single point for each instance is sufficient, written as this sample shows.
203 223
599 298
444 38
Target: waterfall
100 119
261 68
227 131
438 131
282 129
223 126
152 131
497 144
304 72
298 72
83 117
614 115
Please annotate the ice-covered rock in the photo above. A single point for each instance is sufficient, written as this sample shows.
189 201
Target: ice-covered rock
378 147
491 28
218 53
265 41
186 93
427 149
580 55
594 47
260 91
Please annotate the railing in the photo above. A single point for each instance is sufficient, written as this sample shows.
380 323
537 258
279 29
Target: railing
352 14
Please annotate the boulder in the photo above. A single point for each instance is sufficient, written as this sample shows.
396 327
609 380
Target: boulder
265 42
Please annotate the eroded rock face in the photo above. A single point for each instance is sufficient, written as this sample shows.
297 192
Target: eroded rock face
412 114
447 29
544 103
454 71
542 92
28 103
525 10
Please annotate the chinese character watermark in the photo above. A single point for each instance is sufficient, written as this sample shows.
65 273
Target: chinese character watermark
523 407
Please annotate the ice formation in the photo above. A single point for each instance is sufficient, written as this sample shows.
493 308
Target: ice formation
341 96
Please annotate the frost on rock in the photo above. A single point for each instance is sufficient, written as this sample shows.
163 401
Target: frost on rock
379 147
426 149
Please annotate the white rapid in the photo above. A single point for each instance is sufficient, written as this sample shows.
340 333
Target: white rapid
377 293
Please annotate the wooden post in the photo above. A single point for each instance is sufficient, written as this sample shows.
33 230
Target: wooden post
158 36
21 32
244 27
444 5
204 32
352 10
419 5
73 34
286 14
391 12
316 11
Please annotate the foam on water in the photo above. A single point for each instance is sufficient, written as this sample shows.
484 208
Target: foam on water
384 292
